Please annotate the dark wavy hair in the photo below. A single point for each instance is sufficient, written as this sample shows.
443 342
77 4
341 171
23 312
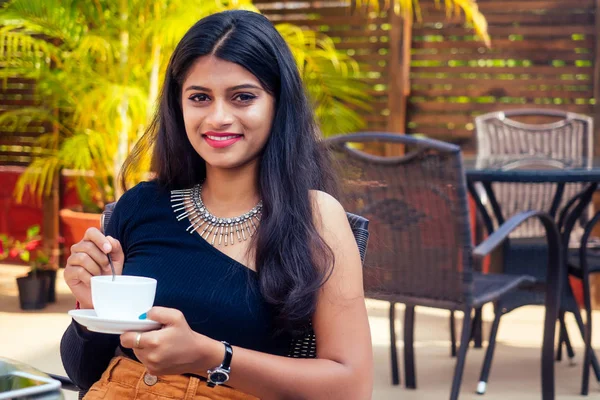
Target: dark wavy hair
292 259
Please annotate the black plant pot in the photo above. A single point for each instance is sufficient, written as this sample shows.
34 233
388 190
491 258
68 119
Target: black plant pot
51 274
33 291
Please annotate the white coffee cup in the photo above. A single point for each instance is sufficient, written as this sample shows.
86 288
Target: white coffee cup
125 298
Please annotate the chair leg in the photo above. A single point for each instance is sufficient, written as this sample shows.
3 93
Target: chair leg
409 351
477 333
452 334
594 360
568 345
587 358
393 347
489 354
561 339
564 334
462 354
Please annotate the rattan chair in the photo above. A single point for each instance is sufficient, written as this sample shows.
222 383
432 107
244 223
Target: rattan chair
302 347
420 252
569 140
566 141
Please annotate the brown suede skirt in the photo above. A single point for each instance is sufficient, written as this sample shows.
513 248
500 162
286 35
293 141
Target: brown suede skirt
127 379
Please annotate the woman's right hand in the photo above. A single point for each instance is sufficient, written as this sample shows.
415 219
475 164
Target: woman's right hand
88 258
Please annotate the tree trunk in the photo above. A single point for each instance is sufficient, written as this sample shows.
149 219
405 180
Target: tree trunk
153 92
123 143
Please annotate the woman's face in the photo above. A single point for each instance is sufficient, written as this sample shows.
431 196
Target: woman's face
226 111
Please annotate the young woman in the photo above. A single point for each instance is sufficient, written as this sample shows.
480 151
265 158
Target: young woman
248 249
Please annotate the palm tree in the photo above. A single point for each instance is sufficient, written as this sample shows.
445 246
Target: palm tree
98 64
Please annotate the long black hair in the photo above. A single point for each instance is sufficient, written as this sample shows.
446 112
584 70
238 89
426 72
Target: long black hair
292 259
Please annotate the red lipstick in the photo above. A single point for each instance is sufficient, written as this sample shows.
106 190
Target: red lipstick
219 140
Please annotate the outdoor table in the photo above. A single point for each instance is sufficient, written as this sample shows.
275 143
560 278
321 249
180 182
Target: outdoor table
538 169
7 365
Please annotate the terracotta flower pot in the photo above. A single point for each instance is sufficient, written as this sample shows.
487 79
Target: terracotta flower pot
73 225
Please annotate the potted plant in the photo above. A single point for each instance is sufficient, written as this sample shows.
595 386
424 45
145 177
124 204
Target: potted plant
38 287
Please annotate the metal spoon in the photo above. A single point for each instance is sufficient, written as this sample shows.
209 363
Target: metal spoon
112 267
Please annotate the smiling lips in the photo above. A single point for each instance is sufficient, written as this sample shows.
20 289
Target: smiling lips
221 139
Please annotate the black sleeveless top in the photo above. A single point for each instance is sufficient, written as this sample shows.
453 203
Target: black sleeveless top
219 296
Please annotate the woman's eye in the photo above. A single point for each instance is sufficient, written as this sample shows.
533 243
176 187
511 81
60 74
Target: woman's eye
198 97
244 97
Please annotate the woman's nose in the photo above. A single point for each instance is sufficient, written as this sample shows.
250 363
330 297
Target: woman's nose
219 115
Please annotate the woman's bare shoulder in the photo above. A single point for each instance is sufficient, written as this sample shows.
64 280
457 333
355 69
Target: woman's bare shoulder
326 208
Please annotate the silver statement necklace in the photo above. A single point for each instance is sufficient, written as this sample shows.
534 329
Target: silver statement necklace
188 203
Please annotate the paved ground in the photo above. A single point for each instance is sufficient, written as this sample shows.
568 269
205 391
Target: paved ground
33 337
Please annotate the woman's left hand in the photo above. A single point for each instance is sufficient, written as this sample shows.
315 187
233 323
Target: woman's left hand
173 349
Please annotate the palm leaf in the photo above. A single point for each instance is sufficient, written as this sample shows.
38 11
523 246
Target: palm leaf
411 9
87 151
18 120
19 49
331 79
180 16
59 19
94 49
37 178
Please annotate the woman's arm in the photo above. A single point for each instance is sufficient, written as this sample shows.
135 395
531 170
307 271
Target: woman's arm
344 364
85 355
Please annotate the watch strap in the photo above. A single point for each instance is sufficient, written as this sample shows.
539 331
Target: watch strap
226 364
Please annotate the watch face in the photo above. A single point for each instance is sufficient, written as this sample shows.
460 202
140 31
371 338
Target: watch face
219 377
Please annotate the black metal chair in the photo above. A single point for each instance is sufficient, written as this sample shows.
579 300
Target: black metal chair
582 265
301 347
553 143
420 252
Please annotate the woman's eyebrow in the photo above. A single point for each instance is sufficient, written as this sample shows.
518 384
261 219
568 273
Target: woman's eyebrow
196 87
238 87
244 86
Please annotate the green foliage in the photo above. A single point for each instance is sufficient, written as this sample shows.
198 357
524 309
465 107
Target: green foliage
99 65
30 250
411 9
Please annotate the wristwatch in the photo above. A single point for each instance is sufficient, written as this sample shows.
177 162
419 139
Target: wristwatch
220 375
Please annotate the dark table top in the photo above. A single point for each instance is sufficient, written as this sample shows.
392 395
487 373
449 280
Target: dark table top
531 169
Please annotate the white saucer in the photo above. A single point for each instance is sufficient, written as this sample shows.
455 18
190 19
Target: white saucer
90 320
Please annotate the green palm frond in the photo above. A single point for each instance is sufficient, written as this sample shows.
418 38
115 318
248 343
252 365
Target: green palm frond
19 49
88 151
48 143
177 19
331 79
18 120
411 9
38 177
335 117
94 48
58 19
106 98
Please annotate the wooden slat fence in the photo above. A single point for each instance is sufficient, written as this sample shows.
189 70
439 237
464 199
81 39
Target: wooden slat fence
17 137
366 39
543 55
